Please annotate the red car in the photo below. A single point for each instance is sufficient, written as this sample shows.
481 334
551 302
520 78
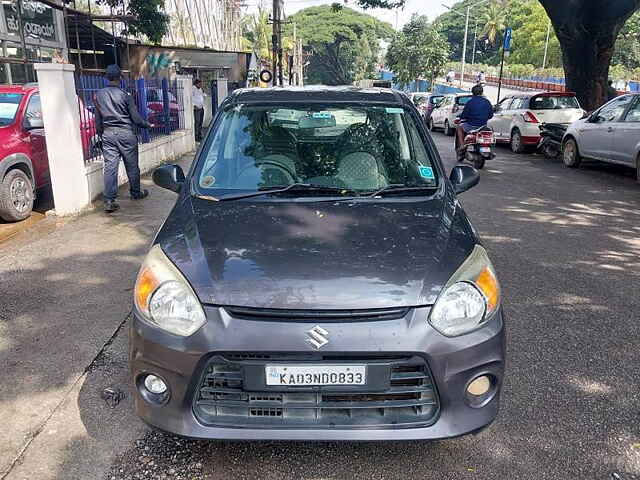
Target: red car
24 165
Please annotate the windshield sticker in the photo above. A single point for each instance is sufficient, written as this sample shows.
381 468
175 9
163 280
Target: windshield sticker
426 172
208 181
321 115
394 110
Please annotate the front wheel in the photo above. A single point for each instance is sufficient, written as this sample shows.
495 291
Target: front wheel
479 162
448 131
570 154
16 196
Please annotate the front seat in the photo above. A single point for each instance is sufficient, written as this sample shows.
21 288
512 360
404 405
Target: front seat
359 164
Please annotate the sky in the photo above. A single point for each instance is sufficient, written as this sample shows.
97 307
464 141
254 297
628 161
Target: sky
431 8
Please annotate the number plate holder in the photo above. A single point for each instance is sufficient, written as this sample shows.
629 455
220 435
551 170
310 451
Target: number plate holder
377 377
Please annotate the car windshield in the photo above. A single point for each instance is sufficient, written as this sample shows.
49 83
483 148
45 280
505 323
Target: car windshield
9 103
435 100
463 100
553 102
350 149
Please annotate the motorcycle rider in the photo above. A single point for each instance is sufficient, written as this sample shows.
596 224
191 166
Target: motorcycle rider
476 114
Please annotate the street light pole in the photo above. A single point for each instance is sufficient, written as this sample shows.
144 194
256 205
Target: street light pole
464 48
546 46
466 34
475 45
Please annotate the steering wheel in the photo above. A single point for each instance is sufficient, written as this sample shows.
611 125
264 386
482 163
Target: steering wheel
291 177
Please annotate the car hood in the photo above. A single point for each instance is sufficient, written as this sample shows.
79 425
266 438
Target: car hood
310 255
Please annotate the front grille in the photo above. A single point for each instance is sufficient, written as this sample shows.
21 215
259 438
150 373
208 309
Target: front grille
405 397
317 316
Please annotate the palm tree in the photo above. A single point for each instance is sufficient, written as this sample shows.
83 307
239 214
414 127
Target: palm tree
257 33
494 19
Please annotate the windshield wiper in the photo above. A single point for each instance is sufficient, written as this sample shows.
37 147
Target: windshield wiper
399 188
302 187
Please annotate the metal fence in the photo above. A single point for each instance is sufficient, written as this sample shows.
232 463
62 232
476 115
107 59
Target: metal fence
159 101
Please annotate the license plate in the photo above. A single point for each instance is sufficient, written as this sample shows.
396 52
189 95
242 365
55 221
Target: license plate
485 149
315 375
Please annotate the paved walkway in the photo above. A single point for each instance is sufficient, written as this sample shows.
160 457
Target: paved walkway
63 298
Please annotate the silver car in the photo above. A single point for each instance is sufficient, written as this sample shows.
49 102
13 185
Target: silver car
610 134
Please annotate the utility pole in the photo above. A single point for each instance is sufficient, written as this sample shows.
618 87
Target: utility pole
546 46
294 65
274 41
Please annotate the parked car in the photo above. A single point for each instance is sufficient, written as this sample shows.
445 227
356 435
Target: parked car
155 106
24 165
331 287
517 118
610 134
444 114
425 102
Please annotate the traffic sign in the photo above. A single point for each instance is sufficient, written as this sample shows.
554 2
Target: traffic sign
508 36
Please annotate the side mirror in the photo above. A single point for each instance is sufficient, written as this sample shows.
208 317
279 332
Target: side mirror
464 178
33 123
170 177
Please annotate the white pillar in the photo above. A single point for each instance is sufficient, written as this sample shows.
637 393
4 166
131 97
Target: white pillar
186 85
61 116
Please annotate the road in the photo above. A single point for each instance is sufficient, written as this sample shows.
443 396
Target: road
567 249
566 244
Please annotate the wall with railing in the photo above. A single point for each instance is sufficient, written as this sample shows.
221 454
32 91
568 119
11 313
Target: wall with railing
68 111
160 101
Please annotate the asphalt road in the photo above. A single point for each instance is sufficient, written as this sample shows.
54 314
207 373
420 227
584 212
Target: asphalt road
566 244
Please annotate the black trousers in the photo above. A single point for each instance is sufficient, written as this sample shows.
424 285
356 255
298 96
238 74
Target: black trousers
120 143
198 116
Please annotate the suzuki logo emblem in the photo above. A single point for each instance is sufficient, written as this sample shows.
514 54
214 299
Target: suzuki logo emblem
317 337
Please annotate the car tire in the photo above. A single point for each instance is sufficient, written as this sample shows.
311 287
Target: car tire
16 196
571 154
448 131
516 142
638 169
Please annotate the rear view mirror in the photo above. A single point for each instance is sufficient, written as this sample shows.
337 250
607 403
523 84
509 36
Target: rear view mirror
464 178
170 177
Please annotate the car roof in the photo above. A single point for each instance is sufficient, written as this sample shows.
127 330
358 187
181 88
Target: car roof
318 94
29 87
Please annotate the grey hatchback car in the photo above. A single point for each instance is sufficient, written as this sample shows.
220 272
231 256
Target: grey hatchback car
317 279
610 134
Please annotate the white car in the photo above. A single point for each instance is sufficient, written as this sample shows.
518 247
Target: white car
445 113
517 118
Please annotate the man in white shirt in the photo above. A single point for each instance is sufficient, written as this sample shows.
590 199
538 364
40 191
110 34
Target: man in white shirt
198 108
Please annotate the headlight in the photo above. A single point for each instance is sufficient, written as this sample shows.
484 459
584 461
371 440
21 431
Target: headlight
470 298
165 298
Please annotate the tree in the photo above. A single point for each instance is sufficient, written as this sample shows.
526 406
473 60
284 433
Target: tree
417 52
530 25
587 31
150 18
256 32
344 44
628 44
494 21
451 25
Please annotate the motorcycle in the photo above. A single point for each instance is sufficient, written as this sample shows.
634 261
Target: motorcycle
551 136
478 146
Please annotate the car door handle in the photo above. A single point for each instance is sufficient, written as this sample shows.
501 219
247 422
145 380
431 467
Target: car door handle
610 129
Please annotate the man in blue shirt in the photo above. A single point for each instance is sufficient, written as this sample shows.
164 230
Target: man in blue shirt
477 112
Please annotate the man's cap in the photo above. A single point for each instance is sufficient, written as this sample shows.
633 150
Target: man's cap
113 72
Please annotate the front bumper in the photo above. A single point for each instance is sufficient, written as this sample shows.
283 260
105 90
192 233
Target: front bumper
452 364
